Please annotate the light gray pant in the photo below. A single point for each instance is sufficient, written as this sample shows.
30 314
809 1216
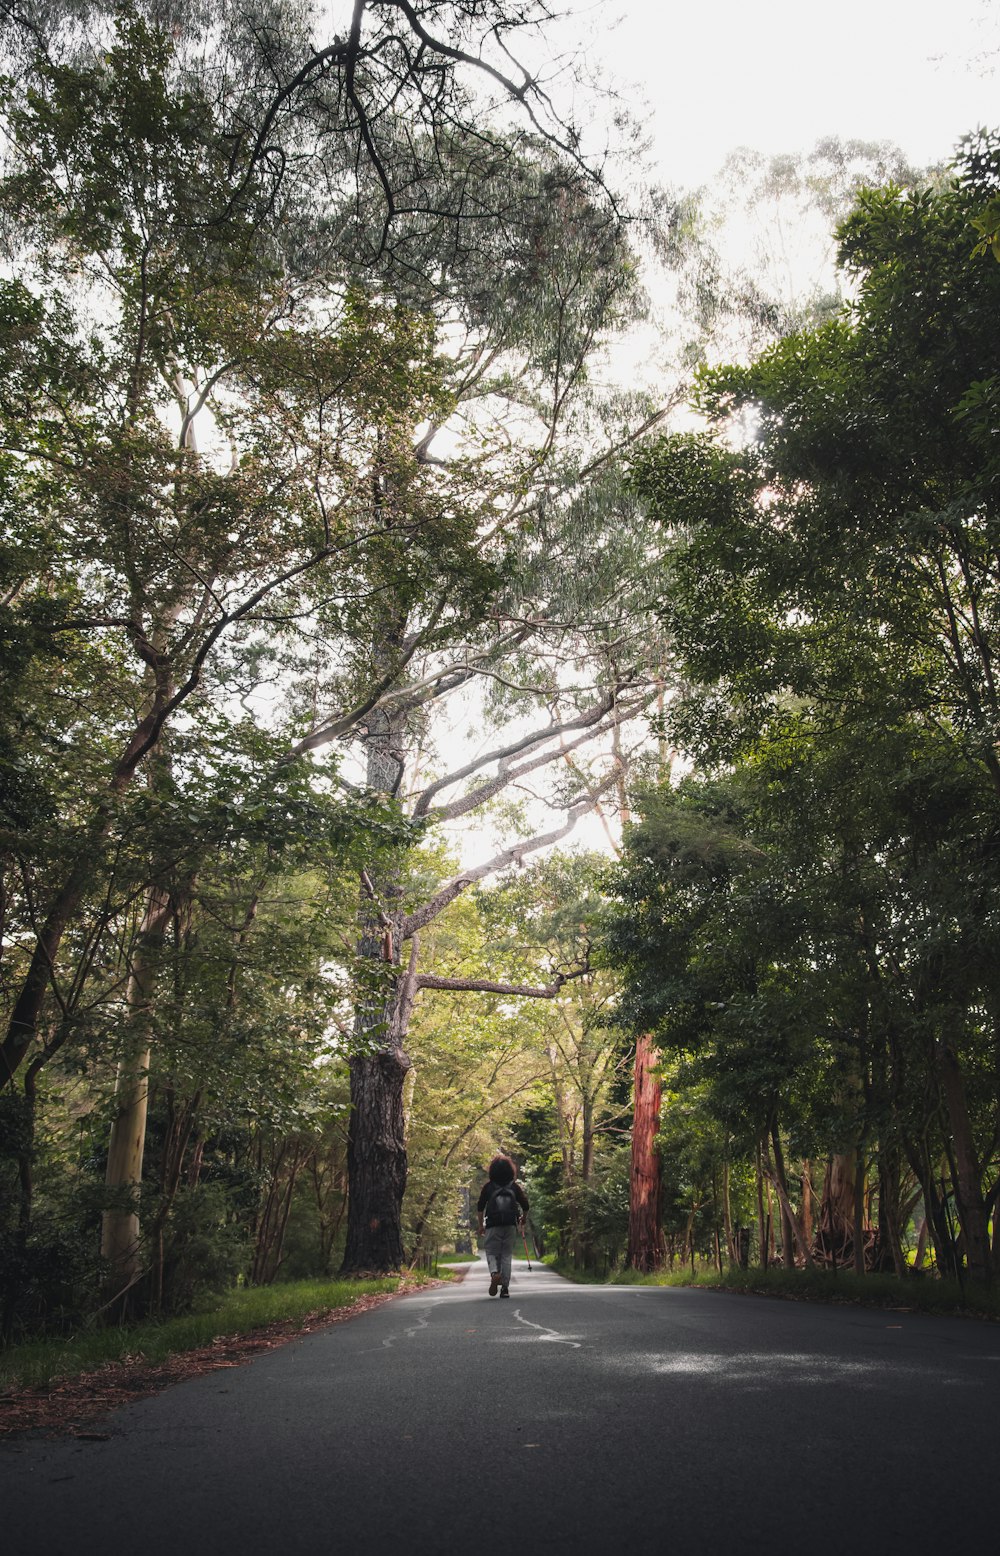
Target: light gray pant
499 1244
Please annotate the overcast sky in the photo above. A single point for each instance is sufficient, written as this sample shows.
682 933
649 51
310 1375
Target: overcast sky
779 74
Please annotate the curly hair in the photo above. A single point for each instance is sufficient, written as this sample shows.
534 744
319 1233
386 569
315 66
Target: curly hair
502 1170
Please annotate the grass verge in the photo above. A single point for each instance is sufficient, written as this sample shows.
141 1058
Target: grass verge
917 1295
240 1313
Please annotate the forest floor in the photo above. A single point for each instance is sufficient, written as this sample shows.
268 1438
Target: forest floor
917 1294
75 1397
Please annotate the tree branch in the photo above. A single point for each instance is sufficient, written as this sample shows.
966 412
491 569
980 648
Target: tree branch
504 754
486 986
507 856
502 780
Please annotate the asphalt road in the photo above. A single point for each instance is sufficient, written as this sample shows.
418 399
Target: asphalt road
574 1419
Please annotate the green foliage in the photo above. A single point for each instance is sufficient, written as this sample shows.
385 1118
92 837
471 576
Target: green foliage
810 930
478 1062
285 458
945 1297
977 164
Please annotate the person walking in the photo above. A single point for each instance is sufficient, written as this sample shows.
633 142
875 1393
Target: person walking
502 1207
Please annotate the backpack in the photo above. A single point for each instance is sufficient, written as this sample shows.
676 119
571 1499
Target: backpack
502 1208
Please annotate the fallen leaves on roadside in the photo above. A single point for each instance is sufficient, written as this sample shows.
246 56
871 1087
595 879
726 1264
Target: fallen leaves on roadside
64 1407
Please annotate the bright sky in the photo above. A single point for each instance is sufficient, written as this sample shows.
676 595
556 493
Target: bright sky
778 75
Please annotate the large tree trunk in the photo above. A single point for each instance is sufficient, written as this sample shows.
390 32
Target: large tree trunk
807 1203
968 1176
120 1237
860 1227
376 1140
921 1160
835 1235
645 1240
727 1215
792 1237
762 1238
376 1165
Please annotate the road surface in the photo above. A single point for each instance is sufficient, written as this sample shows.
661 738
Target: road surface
568 1419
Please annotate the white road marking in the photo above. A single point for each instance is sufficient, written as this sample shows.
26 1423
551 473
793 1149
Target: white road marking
552 1335
422 1323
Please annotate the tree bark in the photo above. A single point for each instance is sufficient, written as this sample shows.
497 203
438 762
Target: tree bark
120 1236
376 1137
836 1212
888 1208
376 1164
968 1176
918 1258
789 1229
859 1213
792 1237
727 1215
807 1202
588 1141
761 1223
645 1239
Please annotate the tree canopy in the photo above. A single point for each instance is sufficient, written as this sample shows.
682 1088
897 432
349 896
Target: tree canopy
811 924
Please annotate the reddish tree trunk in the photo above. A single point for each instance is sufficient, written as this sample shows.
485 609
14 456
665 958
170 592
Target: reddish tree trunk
645 1240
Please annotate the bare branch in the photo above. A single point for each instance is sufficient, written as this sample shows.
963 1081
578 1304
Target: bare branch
347 721
486 986
504 754
651 421
509 775
507 856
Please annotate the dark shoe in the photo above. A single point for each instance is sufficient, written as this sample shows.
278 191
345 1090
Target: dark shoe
494 1282
504 1292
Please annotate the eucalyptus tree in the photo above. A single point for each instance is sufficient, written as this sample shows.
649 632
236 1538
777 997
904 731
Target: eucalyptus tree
263 278
149 187
533 616
567 656
148 566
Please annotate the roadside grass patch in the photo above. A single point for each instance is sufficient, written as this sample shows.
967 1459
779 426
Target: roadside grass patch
241 1312
916 1294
